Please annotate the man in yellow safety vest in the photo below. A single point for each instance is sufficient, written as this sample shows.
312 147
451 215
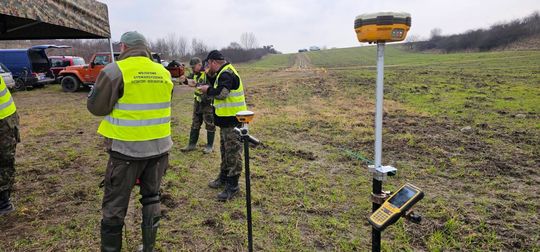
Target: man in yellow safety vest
202 109
134 96
228 93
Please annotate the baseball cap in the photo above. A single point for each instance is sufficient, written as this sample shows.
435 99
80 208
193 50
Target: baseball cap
194 61
214 55
133 38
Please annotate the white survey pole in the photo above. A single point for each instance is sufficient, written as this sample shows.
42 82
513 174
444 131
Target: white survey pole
380 28
379 104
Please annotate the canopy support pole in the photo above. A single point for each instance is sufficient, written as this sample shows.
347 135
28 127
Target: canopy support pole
24 26
112 52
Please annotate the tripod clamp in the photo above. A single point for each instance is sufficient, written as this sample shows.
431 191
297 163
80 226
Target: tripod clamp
381 172
413 217
380 198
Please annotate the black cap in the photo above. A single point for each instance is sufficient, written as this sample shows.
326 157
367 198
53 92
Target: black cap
214 55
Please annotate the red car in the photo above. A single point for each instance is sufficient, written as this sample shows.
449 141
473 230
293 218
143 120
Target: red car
59 63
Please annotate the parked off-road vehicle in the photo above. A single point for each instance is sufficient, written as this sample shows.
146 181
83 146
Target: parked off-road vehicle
59 63
75 77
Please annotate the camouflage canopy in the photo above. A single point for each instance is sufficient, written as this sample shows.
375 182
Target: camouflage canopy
53 19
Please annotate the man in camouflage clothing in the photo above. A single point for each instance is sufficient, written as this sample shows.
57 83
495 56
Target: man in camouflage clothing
202 109
134 97
228 93
9 137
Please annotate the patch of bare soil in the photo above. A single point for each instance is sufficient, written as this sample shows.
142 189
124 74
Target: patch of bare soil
467 162
443 140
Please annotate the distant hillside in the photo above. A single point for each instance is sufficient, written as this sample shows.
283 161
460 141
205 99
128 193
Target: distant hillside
516 35
528 43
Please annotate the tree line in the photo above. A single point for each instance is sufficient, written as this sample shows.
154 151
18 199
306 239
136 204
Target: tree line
170 47
498 35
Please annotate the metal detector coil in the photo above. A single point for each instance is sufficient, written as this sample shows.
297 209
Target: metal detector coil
382 26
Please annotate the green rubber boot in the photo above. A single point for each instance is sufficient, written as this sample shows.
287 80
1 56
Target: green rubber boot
210 135
111 237
193 138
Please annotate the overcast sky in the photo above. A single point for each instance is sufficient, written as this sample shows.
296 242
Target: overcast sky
293 24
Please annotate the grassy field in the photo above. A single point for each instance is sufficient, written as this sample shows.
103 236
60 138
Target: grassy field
464 127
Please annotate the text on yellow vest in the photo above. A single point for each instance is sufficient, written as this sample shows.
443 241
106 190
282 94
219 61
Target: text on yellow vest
144 111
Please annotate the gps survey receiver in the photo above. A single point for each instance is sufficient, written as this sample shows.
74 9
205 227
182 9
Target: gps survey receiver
382 26
395 206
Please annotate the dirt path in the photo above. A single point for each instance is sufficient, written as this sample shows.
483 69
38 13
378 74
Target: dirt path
301 61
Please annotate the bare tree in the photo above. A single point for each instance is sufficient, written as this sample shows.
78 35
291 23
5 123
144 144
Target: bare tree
198 48
248 40
160 46
234 45
435 33
411 39
183 47
172 45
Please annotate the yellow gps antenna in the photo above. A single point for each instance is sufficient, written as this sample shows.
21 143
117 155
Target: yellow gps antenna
245 117
380 28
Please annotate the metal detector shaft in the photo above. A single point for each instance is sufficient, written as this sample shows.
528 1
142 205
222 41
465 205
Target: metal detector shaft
248 192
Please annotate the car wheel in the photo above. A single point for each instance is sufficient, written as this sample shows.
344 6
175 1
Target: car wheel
19 85
70 84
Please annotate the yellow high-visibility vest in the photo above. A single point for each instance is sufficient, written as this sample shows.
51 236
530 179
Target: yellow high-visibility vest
235 101
199 79
7 106
144 111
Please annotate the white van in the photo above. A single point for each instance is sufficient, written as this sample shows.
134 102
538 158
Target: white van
6 75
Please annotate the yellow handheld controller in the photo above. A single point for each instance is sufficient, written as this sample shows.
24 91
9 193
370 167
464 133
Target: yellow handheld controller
395 206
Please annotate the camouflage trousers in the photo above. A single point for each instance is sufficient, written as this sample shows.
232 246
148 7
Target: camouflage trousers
9 137
203 112
231 152
120 178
